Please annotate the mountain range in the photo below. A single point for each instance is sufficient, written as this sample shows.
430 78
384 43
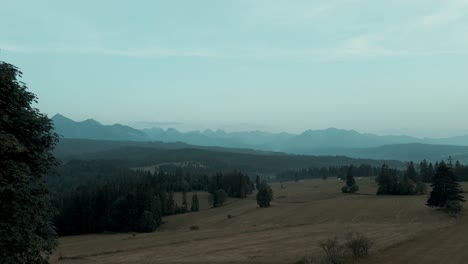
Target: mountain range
329 141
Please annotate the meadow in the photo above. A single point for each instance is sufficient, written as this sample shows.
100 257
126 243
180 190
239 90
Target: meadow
302 215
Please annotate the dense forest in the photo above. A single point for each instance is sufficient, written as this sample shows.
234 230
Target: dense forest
98 196
105 195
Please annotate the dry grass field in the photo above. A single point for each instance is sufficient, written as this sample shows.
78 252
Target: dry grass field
302 215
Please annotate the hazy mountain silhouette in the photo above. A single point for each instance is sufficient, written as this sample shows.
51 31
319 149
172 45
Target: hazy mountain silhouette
91 129
330 141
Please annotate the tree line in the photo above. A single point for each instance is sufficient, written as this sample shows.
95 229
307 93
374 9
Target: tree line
363 170
98 196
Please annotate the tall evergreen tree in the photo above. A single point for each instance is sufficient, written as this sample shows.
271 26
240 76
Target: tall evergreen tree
411 173
444 187
195 204
26 142
184 202
350 181
351 186
171 204
384 181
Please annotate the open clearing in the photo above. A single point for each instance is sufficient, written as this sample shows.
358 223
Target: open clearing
302 215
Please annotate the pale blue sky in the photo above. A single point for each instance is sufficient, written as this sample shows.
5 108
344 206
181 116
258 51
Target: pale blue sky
376 66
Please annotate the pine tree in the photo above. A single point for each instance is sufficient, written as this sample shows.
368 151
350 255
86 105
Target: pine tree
257 182
26 141
171 204
411 173
384 181
351 186
350 181
195 204
264 195
444 187
184 202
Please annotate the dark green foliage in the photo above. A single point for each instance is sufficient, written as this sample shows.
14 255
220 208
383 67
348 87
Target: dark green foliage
123 215
350 181
156 210
363 170
171 207
97 196
26 141
235 184
351 186
426 171
264 195
444 187
195 204
147 222
184 202
394 182
219 198
411 173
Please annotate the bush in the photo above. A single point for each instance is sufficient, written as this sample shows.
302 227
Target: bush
194 228
350 189
359 244
453 208
334 251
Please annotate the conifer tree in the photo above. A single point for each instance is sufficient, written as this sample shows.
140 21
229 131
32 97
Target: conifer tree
170 204
184 202
444 187
195 204
351 186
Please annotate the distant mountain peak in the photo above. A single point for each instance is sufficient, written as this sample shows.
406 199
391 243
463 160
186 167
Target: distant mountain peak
60 117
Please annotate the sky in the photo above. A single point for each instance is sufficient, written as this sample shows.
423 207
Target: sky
387 67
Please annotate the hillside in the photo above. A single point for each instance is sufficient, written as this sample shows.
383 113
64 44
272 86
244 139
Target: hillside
302 215
137 154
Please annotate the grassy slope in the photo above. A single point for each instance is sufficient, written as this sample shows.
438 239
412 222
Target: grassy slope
302 215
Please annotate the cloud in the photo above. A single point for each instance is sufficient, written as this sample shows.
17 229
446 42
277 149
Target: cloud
447 14
144 52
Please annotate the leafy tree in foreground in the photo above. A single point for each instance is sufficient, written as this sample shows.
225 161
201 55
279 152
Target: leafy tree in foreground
445 189
26 141
264 195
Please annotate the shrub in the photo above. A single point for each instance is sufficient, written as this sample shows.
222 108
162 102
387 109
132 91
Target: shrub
194 228
264 195
350 189
359 244
344 189
334 251
354 188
